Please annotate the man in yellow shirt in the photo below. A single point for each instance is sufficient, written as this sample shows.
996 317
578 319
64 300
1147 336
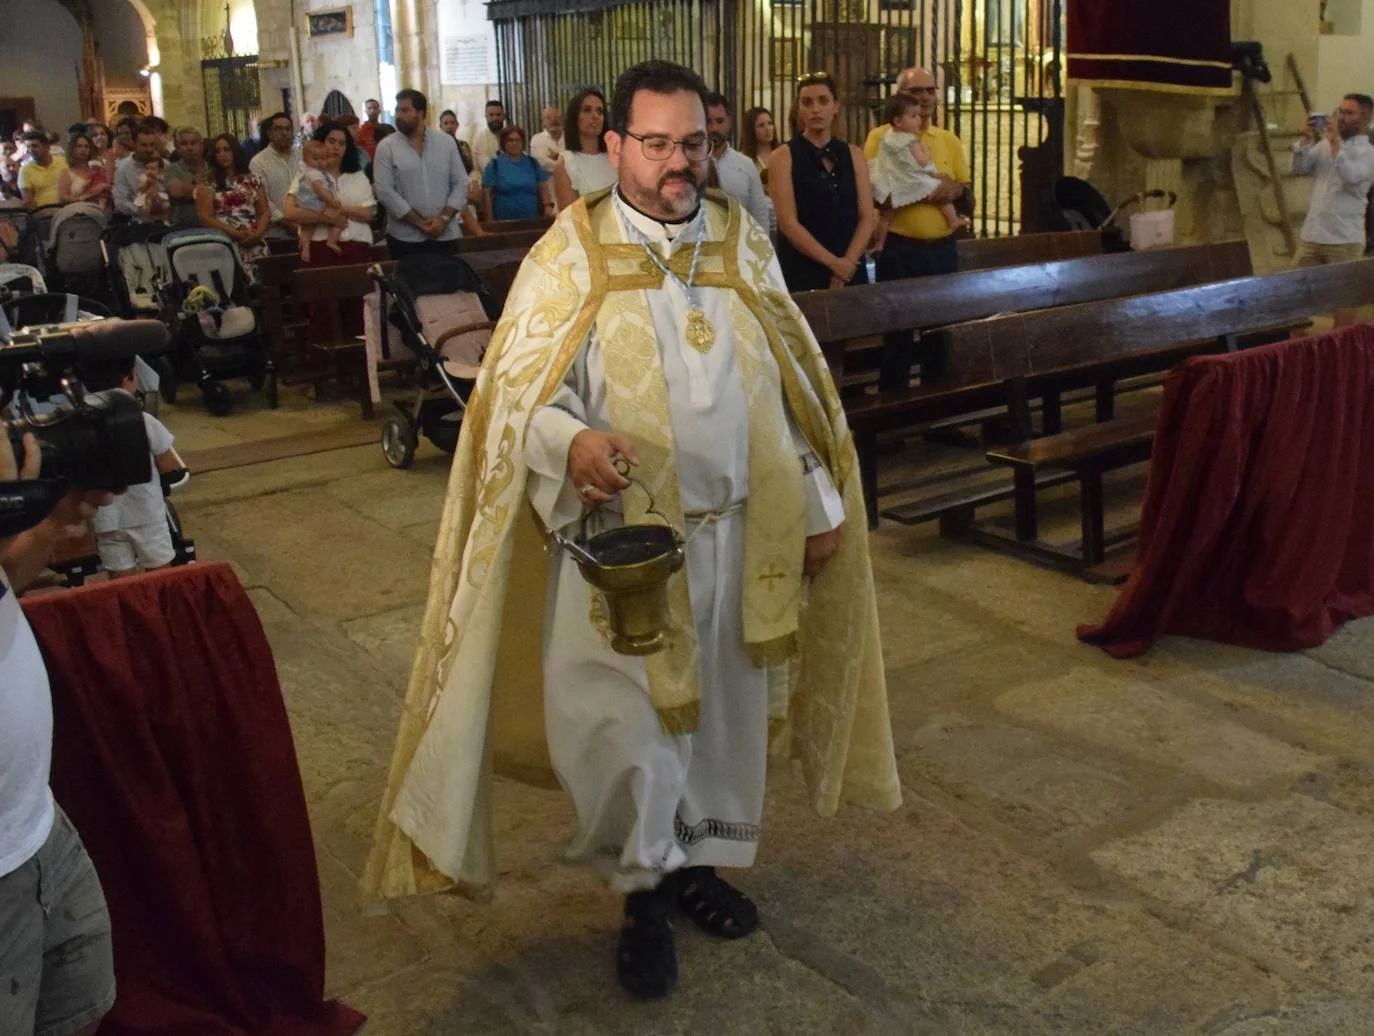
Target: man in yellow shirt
919 241
39 175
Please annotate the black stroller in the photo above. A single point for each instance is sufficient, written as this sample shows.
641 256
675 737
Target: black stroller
216 330
34 310
443 299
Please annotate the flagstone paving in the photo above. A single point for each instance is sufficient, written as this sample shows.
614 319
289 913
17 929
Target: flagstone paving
1178 843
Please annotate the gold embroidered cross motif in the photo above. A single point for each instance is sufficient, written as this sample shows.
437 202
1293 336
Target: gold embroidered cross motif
771 574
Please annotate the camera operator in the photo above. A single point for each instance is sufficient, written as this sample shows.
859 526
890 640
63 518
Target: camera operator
56 961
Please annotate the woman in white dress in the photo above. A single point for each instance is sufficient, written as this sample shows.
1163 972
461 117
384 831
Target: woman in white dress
583 167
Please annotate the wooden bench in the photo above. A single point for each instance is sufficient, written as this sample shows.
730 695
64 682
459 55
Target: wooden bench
843 317
281 319
986 253
1150 331
343 355
282 322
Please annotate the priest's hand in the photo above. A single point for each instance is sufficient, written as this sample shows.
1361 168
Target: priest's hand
820 549
591 465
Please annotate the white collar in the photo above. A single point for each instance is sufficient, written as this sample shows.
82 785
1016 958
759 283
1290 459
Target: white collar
651 228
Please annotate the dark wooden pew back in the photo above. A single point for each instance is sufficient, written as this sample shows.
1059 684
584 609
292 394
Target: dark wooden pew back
1049 341
990 252
847 314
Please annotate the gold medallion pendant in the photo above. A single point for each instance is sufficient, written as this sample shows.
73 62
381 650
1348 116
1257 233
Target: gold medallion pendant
700 334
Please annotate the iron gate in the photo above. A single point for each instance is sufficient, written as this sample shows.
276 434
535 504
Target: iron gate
1000 64
232 102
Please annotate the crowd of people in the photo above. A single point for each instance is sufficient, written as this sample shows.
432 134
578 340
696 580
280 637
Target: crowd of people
333 180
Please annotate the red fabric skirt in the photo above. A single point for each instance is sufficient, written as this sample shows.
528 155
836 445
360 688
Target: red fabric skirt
1258 521
173 756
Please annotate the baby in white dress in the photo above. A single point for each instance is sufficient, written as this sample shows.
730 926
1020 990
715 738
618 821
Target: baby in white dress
902 171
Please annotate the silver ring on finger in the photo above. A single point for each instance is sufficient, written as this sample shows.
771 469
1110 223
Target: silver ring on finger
587 490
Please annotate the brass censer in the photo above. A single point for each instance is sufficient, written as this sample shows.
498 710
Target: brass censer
630 566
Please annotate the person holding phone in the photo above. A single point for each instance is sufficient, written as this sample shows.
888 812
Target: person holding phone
1338 155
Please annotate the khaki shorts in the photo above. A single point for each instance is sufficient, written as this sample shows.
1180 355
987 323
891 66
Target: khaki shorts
1310 254
56 961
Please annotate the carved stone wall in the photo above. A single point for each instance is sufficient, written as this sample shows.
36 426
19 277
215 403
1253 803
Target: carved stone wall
1207 150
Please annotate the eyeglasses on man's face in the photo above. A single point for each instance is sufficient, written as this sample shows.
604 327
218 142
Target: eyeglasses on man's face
659 148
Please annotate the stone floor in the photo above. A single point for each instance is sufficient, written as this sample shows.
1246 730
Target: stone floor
1176 844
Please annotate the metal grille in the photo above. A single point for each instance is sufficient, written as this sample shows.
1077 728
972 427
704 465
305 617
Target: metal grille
999 63
232 101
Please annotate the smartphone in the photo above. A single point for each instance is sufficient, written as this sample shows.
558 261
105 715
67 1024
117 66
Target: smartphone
1319 122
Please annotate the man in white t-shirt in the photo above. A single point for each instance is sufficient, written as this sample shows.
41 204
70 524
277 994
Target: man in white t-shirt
485 140
56 958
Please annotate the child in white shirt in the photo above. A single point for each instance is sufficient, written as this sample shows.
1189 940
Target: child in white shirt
317 191
902 171
132 534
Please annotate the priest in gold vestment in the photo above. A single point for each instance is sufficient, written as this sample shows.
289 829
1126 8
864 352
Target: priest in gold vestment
649 326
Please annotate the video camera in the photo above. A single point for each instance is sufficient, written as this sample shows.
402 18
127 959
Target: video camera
92 441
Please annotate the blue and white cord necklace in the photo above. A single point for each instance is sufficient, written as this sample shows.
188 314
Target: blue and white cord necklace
699 332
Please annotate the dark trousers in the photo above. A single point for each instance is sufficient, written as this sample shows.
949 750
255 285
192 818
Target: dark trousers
399 248
900 259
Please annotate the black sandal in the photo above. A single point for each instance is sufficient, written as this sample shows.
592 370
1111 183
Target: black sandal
646 959
714 904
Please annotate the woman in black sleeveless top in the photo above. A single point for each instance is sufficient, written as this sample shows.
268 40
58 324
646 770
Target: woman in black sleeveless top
819 186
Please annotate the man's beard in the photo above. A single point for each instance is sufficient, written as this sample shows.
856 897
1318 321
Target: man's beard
655 204
496 126
718 141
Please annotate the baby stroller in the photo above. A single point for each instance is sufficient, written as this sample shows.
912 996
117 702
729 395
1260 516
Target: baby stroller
32 226
20 279
442 299
135 267
216 329
75 261
20 311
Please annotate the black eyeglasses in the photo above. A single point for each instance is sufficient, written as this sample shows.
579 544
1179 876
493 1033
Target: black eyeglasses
660 148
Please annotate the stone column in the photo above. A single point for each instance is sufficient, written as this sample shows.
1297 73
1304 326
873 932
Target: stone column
414 24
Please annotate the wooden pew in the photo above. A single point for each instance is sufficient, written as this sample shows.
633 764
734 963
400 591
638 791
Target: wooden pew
506 226
499 242
847 316
842 319
1122 337
987 253
333 287
282 322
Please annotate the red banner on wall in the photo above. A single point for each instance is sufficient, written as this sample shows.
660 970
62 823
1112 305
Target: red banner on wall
1180 46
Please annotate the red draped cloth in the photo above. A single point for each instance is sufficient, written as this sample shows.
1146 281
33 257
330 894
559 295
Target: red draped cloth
1258 521
1148 45
173 756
